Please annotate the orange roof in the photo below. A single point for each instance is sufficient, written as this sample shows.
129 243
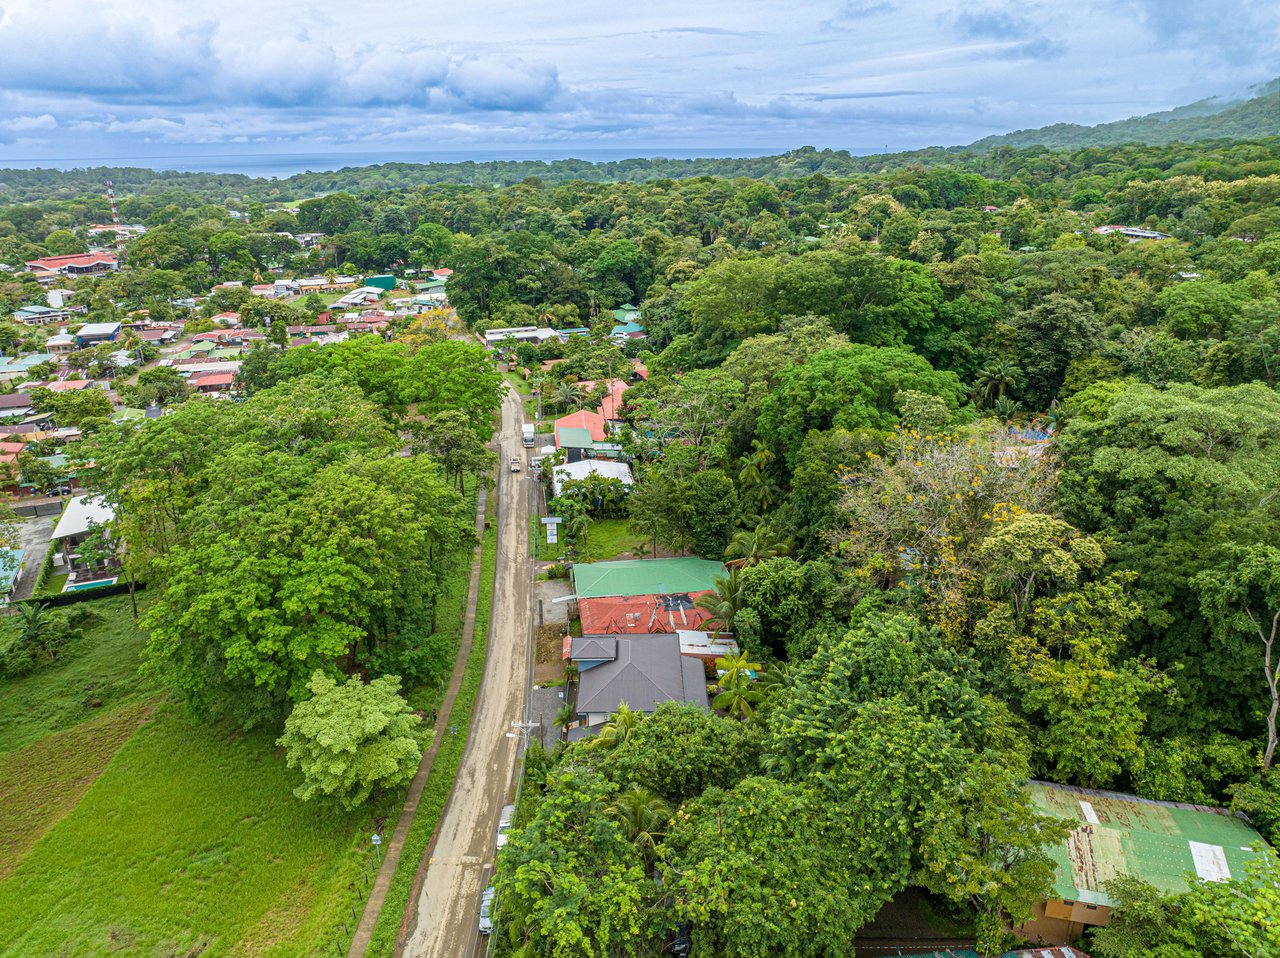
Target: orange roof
71 259
69 385
641 614
586 419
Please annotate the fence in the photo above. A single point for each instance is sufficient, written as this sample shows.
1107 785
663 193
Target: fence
83 595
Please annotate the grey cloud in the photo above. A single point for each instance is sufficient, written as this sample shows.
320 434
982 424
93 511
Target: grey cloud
510 84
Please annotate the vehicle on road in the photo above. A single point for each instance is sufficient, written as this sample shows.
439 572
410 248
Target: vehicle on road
515 463
486 910
504 823
526 433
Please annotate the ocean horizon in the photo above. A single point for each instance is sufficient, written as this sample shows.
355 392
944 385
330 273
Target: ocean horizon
283 165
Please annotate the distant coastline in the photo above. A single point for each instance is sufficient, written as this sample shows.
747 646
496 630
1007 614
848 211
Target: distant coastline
281 165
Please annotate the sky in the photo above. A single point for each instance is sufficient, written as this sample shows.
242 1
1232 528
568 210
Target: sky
119 78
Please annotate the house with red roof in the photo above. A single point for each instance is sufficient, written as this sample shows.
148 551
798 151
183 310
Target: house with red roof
212 382
75 264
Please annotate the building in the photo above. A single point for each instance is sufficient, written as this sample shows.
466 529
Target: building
385 282
605 468
124 230
44 315
212 383
1117 835
627 332
640 673
493 338
10 568
1133 234
75 264
15 404
638 596
585 435
83 516
18 368
90 334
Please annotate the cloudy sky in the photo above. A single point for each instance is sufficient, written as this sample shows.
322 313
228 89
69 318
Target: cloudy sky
120 78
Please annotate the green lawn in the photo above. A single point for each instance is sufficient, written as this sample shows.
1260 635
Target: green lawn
42 783
101 667
191 842
54 584
124 836
606 539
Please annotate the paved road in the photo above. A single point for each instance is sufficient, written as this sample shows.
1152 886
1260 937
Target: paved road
33 539
461 861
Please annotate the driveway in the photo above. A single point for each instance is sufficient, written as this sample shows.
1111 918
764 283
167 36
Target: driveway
33 540
461 862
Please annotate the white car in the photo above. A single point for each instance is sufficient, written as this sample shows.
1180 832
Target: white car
504 823
486 910
515 463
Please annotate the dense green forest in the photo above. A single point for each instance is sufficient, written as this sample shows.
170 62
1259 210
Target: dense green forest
998 492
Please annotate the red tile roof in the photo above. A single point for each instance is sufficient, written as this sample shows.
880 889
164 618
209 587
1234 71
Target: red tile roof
641 614
72 259
213 379
586 419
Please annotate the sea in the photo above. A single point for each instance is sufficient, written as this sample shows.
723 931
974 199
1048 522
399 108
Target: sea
281 165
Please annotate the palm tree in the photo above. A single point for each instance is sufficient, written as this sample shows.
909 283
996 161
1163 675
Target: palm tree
998 376
738 695
38 629
567 394
723 602
618 729
752 546
641 817
566 716
759 490
1006 408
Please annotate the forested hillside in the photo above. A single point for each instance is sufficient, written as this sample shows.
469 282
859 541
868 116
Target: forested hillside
1209 119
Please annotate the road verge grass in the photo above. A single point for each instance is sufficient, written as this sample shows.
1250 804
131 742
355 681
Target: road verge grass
435 794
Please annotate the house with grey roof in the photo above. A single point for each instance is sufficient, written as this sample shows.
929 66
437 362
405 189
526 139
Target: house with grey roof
639 671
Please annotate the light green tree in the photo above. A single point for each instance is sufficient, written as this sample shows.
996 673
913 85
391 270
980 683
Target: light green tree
349 739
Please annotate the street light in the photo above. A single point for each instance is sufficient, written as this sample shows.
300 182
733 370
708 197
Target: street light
523 729
377 846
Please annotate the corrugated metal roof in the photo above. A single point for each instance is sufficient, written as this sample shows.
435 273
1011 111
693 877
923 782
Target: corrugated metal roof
645 577
646 672
1158 842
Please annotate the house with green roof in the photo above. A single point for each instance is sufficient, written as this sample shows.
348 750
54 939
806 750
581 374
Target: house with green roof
1165 844
10 569
631 577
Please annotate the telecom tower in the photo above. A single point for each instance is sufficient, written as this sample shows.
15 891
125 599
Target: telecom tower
115 222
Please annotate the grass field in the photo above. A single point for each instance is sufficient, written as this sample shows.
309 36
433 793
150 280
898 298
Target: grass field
191 842
606 539
127 829
101 666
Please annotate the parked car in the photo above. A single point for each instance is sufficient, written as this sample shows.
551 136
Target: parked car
486 910
504 823
515 463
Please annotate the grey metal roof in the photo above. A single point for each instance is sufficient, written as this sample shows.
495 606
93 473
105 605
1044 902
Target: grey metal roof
593 647
646 671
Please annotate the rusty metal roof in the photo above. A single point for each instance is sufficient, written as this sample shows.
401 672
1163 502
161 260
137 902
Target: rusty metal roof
1162 843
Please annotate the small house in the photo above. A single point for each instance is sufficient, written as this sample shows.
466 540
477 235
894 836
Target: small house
639 672
83 516
90 334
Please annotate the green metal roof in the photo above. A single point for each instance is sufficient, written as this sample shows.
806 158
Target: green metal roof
1158 842
10 566
573 438
645 577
